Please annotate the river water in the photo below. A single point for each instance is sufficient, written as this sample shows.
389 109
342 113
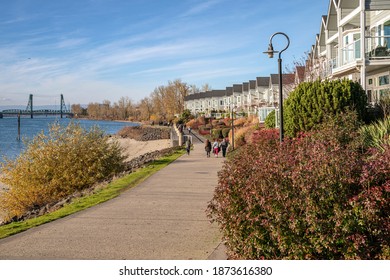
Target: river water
10 147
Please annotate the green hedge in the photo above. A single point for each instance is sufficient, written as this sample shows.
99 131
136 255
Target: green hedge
216 133
225 132
270 120
311 102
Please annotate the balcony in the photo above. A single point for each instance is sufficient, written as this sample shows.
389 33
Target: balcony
351 53
378 48
349 56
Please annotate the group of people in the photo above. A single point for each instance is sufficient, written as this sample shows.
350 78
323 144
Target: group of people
216 147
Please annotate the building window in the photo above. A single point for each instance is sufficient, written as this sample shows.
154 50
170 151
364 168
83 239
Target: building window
383 93
238 99
383 80
221 102
386 27
370 81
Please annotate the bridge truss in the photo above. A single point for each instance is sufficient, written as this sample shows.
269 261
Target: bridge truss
63 111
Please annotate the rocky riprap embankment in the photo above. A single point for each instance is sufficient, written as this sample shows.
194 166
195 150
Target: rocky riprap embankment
145 133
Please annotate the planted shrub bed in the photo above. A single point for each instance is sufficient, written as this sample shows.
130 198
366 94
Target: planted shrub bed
318 196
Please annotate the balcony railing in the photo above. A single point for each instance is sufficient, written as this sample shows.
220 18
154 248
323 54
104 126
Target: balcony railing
351 52
377 48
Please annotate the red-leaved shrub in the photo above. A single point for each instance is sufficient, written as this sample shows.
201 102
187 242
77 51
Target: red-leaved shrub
317 196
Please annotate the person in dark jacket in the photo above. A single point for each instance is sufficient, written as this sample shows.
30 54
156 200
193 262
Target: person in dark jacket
207 147
188 145
224 144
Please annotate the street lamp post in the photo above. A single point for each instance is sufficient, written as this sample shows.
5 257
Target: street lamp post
271 53
232 128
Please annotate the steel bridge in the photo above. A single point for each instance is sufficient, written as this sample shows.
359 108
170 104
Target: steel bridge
63 111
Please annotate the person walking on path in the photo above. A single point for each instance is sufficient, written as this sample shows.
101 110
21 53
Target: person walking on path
216 147
207 147
224 145
188 145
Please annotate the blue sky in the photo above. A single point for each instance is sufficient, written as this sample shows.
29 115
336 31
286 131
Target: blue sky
95 50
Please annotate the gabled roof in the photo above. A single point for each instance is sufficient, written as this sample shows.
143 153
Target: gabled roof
229 91
245 86
262 81
193 96
218 92
237 88
321 39
252 84
299 74
351 4
331 19
287 79
207 94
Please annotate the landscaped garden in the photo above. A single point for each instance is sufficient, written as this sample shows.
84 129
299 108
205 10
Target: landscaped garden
321 194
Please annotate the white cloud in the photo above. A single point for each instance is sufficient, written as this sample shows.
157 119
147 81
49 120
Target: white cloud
200 8
71 43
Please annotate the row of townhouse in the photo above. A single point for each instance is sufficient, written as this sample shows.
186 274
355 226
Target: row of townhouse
255 97
353 43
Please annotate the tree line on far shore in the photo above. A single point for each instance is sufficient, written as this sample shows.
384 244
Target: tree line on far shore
162 104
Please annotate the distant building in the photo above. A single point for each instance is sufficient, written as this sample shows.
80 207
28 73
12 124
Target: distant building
255 97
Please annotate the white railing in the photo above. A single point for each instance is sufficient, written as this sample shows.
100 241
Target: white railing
377 48
263 112
351 52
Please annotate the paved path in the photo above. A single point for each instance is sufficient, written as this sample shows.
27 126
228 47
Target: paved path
162 218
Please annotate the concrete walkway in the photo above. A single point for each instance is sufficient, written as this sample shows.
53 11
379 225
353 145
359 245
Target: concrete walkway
162 218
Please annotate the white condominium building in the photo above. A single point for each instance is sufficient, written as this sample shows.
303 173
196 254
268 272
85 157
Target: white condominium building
353 43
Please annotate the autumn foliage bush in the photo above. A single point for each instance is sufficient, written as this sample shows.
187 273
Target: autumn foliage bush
240 122
317 196
55 165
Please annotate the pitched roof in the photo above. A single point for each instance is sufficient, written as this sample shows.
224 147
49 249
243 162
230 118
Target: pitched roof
192 96
262 81
300 74
245 86
229 91
207 94
252 84
218 92
237 88
286 79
